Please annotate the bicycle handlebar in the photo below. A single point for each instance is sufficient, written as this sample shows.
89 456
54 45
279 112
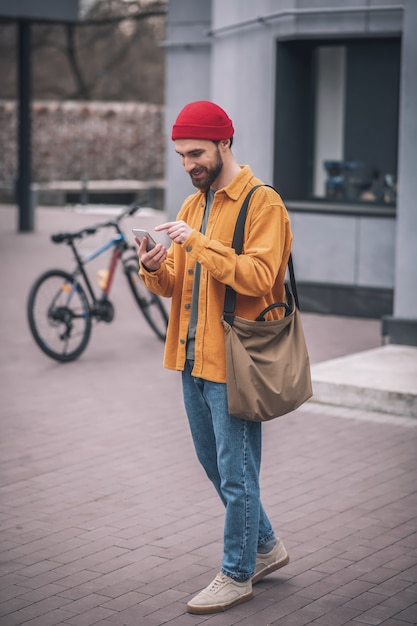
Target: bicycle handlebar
91 230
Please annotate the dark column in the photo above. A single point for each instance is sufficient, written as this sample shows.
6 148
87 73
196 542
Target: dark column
24 198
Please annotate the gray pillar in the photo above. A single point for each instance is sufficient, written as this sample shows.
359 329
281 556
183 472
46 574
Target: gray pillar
24 198
401 328
188 78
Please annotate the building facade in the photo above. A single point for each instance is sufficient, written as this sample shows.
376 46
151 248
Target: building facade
323 98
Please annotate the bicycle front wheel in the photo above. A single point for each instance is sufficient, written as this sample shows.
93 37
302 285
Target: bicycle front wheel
59 315
149 303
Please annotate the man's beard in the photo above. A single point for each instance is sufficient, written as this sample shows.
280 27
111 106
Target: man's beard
205 182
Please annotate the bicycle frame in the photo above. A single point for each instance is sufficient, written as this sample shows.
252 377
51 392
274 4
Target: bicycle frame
119 243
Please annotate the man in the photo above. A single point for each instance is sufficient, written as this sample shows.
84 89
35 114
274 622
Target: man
193 272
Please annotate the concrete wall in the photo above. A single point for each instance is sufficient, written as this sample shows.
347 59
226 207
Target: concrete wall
100 140
350 250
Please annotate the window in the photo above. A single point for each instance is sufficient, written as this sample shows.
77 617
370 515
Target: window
337 120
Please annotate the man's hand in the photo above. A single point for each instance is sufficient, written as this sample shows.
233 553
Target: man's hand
153 259
177 231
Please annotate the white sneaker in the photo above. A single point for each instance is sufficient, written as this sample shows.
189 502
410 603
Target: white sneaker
271 561
221 594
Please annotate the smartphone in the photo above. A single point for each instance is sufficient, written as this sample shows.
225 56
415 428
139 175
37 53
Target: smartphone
140 232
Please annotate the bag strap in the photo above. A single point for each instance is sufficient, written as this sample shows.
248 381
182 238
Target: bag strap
292 281
290 270
237 244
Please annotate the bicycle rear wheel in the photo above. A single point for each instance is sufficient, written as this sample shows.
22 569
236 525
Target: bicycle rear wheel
149 303
59 315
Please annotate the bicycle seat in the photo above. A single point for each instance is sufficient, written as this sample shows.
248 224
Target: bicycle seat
60 237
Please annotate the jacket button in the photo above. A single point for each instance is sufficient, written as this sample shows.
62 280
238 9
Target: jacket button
191 271
187 306
188 249
182 341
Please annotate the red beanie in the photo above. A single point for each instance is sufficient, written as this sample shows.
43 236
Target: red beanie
202 120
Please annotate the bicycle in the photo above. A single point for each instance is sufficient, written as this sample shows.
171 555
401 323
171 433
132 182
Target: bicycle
60 313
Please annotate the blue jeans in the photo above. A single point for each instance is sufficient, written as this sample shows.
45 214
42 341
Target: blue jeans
229 449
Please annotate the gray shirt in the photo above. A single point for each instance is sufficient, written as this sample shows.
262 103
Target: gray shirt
196 284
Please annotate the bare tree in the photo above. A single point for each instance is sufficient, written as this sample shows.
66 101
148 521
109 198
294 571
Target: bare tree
113 54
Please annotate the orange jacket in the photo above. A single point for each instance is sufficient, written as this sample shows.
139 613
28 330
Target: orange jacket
257 275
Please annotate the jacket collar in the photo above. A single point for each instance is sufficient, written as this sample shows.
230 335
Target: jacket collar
235 188
237 185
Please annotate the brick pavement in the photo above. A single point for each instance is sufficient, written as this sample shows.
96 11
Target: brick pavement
106 517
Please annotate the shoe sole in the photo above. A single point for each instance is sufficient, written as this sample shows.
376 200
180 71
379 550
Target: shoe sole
271 568
217 608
